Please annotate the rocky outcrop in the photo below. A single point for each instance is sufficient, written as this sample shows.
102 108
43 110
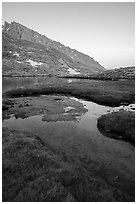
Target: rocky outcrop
118 73
20 32
125 73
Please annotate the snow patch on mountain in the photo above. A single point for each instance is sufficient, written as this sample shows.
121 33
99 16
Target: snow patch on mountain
34 64
16 54
73 71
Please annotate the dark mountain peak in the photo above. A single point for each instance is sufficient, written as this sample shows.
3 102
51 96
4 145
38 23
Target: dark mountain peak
21 32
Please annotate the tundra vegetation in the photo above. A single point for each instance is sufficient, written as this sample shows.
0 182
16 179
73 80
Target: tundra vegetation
64 168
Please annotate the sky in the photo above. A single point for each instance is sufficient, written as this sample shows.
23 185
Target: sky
104 31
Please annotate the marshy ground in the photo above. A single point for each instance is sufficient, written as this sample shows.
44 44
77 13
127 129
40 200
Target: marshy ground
111 93
53 108
56 158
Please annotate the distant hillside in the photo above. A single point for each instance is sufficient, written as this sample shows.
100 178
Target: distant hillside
114 74
118 73
28 52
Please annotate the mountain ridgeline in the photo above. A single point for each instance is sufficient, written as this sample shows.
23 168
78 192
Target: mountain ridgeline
28 52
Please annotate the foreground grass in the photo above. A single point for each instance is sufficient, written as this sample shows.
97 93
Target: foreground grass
33 172
111 93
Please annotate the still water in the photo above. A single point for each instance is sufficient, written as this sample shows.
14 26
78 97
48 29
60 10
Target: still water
9 83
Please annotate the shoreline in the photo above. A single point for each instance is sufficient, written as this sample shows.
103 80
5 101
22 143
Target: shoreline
72 77
104 93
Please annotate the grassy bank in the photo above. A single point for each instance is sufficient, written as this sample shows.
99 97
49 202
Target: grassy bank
111 93
122 123
32 171
52 108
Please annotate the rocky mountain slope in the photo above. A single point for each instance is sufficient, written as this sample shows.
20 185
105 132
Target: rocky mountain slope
118 73
28 52
121 73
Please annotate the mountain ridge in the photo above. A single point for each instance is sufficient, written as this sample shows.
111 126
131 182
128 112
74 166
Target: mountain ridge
21 32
